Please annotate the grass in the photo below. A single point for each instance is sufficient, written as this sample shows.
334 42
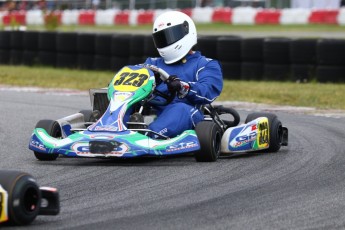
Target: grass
206 28
321 96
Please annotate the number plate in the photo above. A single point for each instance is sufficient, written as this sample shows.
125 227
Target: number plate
130 80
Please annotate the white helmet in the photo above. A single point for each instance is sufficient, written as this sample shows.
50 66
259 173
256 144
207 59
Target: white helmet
174 35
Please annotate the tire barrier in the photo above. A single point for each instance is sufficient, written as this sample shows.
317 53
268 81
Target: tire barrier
5 47
274 58
30 46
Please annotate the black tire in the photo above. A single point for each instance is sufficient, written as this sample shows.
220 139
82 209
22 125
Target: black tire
210 136
102 62
275 129
276 51
54 130
17 40
276 72
5 40
29 57
16 57
150 49
303 51
136 60
302 73
251 70
67 60
86 61
47 58
5 56
252 49
66 42
332 74
103 43
120 45
136 48
30 40
231 70
21 189
47 41
86 43
207 45
118 62
229 49
331 52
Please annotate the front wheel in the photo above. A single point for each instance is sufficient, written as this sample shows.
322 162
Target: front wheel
54 130
24 197
275 129
209 135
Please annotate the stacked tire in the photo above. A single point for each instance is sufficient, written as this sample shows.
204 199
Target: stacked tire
86 50
330 60
276 56
5 48
47 48
30 48
102 57
120 51
136 49
66 47
16 44
303 59
252 58
228 52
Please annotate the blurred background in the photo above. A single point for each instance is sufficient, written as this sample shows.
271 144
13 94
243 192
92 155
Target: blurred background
162 4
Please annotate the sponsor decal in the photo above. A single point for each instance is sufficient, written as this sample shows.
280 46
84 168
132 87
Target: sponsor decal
181 146
82 149
102 136
3 205
37 145
263 135
121 96
244 139
106 128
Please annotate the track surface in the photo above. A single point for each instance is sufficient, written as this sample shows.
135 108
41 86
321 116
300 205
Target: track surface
300 187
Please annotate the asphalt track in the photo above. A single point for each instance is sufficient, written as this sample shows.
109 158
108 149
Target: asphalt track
300 187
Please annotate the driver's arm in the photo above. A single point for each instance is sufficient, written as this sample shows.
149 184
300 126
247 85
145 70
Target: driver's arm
209 84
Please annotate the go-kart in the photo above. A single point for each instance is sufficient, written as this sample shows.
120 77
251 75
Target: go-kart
105 131
21 200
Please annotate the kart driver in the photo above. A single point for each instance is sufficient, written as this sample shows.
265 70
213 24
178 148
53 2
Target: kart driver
195 79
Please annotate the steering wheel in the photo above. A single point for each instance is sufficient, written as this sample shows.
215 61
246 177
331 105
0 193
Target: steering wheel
169 97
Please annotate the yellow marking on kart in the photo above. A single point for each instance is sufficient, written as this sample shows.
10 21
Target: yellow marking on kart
129 80
3 205
263 133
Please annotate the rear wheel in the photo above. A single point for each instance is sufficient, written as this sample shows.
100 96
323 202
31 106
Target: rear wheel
209 135
54 130
275 129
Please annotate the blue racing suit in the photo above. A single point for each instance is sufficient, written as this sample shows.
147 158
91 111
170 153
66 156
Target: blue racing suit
205 78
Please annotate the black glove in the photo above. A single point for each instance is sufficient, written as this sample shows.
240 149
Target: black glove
174 84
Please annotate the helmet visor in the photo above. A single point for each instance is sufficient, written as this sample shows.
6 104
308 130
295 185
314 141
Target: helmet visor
170 35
